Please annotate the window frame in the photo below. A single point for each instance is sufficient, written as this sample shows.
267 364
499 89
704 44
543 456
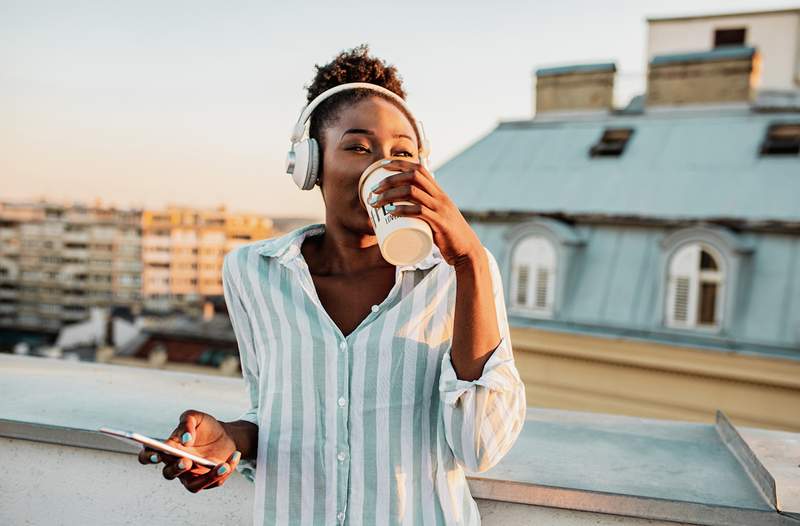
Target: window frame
697 276
565 241
733 249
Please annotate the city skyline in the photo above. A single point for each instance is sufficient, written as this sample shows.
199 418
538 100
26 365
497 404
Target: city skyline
143 105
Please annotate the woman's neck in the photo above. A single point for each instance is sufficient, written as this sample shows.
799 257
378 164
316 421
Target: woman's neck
342 251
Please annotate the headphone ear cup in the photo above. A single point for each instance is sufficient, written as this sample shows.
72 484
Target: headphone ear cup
304 163
313 164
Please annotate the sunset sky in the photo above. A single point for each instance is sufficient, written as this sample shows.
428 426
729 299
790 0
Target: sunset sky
144 103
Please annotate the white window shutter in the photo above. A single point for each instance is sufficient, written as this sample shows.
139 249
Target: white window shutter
521 295
534 271
680 312
542 285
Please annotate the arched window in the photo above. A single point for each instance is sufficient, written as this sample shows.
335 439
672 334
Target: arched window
533 278
694 287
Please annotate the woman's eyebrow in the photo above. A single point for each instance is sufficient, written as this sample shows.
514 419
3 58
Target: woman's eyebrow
369 132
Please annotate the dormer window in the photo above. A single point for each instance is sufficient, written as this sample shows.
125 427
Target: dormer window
533 275
782 139
612 143
694 288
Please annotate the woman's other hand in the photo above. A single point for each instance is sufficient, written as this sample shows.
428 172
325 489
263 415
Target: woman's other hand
414 183
203 435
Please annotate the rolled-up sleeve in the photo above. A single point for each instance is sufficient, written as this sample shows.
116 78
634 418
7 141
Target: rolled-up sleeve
231 285
484 417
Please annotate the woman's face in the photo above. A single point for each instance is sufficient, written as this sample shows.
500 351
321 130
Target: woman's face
365 132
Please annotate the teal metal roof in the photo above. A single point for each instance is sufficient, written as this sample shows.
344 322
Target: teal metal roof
576 68
721 53
678 164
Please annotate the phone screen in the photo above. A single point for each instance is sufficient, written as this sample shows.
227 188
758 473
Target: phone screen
152 443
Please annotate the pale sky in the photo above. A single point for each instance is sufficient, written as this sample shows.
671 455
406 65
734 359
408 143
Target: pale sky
144 103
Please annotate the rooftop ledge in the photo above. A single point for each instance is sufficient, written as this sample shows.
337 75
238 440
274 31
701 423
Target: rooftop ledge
573 465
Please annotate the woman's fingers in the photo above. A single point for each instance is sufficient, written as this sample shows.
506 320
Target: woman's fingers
175 469
408 192
148 456
416 210
411 171
186 430
215 477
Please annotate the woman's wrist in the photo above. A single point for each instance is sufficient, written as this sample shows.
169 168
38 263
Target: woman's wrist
245 435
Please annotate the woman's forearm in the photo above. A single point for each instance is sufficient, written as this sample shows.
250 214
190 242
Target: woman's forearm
475 330
245 434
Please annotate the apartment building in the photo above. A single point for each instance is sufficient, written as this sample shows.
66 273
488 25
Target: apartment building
56 261
183 249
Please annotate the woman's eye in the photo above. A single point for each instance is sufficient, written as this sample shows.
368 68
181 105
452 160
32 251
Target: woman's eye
358 148
407 154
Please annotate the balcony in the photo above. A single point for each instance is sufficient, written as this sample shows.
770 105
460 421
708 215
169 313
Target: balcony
567 468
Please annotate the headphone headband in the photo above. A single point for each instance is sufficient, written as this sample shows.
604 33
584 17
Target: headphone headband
299 128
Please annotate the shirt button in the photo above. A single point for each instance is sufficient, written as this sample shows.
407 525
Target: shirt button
342 401
341 456
343 345
375 308
340 516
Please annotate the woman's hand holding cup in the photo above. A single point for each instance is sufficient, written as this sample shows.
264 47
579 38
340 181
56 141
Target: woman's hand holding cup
413 183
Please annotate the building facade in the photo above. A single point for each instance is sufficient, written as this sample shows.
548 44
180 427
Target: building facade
650 254
183 249
56 261
776 34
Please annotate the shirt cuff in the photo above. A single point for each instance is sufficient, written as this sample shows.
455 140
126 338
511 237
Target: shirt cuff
499 374
248 467
251 415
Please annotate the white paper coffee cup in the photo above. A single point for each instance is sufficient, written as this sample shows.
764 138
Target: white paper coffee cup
402 240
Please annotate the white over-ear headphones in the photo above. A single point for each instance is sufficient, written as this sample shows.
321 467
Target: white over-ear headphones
302 161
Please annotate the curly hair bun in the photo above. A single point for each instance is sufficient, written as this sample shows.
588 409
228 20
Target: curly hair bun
352 65
355 65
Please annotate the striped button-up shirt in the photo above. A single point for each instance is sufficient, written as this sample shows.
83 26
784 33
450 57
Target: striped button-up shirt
374 427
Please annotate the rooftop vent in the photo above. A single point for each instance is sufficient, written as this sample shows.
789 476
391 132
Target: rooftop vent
782 139
612 143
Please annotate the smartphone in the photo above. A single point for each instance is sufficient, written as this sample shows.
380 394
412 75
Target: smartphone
152 443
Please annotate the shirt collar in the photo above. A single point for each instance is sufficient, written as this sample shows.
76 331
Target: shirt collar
287 247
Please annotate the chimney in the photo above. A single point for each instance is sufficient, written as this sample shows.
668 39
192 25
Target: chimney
722 75
583 87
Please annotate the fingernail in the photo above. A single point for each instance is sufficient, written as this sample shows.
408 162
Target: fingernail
222 470
390 208
373 199
186 437
385 161
375 187
237 456
154 458
182 464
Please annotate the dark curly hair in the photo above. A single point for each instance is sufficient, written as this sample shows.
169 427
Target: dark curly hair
352 65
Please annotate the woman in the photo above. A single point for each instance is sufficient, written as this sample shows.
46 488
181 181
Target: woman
372 386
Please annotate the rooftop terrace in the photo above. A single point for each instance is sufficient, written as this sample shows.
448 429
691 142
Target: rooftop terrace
567 468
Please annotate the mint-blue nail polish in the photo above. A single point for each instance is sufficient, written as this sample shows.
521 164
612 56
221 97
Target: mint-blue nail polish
237 456
373 199
182 464
390 208
222 470
186 437
154 458
374 187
